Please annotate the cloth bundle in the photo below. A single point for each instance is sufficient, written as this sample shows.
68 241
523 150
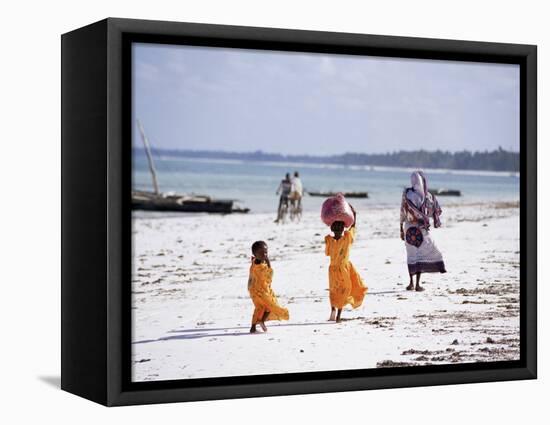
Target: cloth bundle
336 208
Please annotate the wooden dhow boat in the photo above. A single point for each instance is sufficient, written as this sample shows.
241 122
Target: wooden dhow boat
173 202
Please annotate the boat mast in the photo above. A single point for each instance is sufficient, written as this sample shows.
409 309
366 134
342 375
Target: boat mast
149 158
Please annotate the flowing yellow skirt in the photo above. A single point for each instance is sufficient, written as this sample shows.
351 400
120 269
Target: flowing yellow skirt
267 301
346 286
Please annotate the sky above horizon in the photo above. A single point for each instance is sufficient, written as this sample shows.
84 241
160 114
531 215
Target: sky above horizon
207 98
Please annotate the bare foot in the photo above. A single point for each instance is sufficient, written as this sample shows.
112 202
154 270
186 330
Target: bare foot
410 287
419 288
263 326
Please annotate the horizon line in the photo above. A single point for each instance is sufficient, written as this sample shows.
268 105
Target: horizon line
260 151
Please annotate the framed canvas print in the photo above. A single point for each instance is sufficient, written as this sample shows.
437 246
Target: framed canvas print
252 212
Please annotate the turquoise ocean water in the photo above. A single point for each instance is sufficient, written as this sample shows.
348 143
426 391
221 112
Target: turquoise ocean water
254 184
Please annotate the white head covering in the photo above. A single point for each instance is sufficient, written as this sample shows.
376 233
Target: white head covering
420 189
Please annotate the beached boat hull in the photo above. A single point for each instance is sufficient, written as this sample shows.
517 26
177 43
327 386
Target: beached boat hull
148 201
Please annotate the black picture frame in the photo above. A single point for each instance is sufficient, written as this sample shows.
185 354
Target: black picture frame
96 220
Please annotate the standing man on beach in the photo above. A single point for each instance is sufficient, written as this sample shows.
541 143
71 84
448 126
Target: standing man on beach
296 190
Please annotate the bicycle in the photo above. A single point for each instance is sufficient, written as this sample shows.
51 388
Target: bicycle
283 211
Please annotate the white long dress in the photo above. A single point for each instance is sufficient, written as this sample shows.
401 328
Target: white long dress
425 258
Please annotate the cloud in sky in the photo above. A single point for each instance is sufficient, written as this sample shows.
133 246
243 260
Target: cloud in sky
294 103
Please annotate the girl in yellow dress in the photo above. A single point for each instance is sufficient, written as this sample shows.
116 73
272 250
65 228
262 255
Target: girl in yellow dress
266 306
345 284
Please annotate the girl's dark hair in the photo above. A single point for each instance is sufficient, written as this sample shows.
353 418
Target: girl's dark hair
256 245
337 225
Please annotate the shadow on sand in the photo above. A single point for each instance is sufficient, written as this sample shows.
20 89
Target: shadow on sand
215 332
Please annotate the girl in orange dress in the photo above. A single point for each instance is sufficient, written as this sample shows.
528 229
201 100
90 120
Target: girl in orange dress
345 284
266 306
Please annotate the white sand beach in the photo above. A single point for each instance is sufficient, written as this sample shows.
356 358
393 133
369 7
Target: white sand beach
191 309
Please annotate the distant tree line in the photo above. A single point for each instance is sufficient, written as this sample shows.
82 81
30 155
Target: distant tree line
497 160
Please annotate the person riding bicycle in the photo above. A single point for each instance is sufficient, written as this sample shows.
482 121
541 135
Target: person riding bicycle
284 189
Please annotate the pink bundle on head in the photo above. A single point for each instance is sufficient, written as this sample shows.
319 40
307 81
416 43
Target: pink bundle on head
336 208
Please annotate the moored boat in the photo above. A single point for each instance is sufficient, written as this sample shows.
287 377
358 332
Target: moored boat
446 192
346 194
